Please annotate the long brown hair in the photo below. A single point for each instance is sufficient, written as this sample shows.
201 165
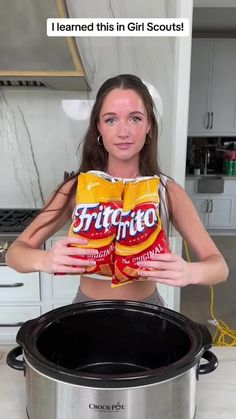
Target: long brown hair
95 156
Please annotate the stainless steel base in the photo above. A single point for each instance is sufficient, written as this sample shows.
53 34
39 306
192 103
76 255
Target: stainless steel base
193 417
51 399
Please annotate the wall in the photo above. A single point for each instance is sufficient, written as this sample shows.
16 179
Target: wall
40 130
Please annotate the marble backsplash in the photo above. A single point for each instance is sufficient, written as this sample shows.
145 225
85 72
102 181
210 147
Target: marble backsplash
39 142
40 130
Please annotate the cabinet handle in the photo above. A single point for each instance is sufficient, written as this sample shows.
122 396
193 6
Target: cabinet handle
207 120
18 324
207 205
15 285
211 120
211 207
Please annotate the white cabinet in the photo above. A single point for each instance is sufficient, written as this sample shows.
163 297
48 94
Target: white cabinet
223 98
12 317
212 105
18 287
19 301
171 295
201 67
63 287
217 211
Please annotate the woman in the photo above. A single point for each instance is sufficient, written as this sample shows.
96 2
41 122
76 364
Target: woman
122 141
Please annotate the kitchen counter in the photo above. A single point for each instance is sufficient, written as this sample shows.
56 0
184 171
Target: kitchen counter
215 391
221 175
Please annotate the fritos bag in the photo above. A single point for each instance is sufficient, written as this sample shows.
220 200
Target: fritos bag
140 233
96 217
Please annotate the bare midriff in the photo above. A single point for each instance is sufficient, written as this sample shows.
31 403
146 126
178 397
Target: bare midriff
101 289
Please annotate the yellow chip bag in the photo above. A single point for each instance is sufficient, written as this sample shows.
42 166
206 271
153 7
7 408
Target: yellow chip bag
140 233
96 217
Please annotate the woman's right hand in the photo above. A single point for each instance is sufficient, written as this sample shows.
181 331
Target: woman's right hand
60 259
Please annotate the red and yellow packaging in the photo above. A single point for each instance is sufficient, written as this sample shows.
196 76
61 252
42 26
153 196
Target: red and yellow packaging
140 233
96 218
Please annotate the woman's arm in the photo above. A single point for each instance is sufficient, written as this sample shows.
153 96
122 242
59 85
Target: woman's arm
172 269
26 255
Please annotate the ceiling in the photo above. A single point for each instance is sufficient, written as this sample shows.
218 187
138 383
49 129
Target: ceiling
214 19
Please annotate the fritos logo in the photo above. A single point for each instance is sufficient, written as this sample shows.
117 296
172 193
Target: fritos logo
136 225
98 220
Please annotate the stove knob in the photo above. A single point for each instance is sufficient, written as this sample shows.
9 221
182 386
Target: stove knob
3 246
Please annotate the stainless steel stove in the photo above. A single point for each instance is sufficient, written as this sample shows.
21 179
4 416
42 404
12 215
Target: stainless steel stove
12 222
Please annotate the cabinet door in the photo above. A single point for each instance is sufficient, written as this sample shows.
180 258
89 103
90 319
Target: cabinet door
223 98
199 101
221 212
202 205
65 286
12 317
171 295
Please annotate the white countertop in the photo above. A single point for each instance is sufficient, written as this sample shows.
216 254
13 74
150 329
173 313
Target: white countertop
223 176
216 392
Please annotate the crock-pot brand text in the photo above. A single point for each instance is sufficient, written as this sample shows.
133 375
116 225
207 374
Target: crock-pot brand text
116 407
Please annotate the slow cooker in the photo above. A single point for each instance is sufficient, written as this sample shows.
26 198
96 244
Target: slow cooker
112 359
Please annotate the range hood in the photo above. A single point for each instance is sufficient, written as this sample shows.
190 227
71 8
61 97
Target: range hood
28 57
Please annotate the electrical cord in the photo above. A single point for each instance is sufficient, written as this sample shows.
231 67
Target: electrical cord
224 335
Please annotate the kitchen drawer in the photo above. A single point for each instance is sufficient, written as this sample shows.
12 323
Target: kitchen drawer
15 286
12 317
65 286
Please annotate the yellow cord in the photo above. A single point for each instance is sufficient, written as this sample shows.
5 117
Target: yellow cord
224 336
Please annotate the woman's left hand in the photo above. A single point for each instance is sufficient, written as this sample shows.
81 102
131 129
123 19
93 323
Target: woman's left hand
166 268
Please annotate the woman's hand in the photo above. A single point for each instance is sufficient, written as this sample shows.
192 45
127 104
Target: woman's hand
166 268
60 258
